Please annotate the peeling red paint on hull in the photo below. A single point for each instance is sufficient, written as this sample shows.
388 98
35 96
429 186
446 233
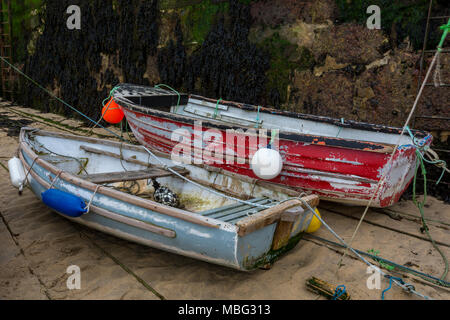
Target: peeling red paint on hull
340 160
336 174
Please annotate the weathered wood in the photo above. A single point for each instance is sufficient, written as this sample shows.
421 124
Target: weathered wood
138 148
180 170
325 289
271 215
144 203
108 177
284 227
114 216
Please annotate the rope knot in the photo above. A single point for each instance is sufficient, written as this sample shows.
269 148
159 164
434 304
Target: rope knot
340 290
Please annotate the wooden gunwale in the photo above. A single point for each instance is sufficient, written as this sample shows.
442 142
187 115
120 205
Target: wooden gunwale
108 214
139 148
284 135
289 166
131 160
245 226
334 121
119 95
146 204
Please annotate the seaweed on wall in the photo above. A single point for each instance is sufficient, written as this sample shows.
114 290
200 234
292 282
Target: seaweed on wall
399 19
70 62
227 65
172 61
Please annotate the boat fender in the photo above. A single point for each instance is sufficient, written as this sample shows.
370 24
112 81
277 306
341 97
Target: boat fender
64 202
315 223
266 163
16 173
112 112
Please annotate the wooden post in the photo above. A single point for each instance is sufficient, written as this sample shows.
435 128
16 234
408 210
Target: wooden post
284 227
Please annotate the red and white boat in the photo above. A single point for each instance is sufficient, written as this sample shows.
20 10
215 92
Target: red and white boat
340 160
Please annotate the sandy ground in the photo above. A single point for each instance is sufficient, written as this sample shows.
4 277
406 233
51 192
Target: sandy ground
37 246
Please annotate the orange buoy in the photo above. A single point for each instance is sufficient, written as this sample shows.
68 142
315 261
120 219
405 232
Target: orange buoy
112 112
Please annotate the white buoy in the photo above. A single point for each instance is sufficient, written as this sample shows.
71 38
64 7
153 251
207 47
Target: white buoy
16 172
266 163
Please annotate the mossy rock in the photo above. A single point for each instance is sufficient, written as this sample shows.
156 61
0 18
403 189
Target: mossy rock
285 57
196 20
400 19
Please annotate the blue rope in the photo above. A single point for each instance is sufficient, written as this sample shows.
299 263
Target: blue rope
340 290
390 284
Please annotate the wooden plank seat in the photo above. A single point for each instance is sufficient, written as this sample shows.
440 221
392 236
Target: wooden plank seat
235 212
109 177
152 171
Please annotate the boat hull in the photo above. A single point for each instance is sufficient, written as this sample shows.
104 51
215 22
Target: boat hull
150 224
347 174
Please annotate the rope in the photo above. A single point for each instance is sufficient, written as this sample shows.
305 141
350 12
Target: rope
390 285
425 149
82 166
179 96
389 163
404 286
216 110
420 205
107 107
25 180
340 290
203 187
257 118
437 79
56 178
92 197
340 127
119 137
437 73
52 95
380 260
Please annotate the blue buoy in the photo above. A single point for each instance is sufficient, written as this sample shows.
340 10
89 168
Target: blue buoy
64 202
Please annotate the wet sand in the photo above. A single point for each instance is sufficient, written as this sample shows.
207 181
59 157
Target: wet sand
37 246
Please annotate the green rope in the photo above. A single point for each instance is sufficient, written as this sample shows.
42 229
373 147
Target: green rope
420 162
273 135
386 262
340 127
419 147
420 205
257 118
179 96
103 105
216 110
446 28
52 95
